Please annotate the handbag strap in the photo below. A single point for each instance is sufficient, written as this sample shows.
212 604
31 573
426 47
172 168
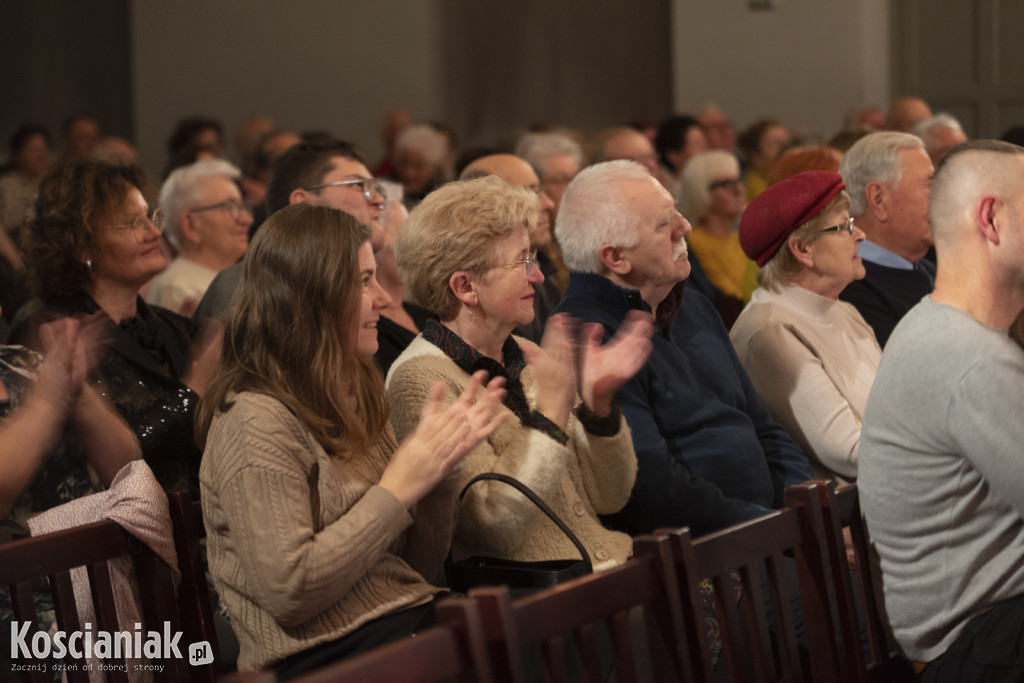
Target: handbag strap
536 500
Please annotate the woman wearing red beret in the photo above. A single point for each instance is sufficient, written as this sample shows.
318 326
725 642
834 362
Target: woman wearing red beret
810 356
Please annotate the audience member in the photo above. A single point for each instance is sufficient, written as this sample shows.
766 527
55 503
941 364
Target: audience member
865 119
804 158
888 176
81 135
624 143
905 112
90 248
679 139
394 122
30 150
718 128
811 357
194 139
713 200
297 418
421 155
556 158
940 484
115 150
940 134
761 144
708 452
407 316
515 171
207 222
467 256
43 463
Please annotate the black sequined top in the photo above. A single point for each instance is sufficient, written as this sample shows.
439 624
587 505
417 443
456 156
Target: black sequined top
140 373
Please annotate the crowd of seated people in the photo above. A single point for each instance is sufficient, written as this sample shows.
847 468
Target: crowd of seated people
328 376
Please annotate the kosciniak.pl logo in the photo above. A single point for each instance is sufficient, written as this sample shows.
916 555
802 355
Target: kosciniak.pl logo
101 645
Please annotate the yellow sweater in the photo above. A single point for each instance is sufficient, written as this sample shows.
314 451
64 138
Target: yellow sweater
723 260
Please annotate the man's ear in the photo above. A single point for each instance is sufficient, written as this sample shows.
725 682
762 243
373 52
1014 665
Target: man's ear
463 288
613 260
985 218
877 198
800 251
188 228
299 195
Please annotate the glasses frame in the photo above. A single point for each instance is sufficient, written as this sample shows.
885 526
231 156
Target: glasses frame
234 207
138 226
725 183
369 187
530 261
846 227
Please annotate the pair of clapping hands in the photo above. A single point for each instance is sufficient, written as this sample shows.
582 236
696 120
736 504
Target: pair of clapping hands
570 359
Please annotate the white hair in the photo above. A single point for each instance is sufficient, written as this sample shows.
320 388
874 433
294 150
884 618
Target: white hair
424 139
593 214
182 189
699 172
538 148
923 129
874 158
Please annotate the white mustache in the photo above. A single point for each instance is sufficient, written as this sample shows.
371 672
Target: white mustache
680 251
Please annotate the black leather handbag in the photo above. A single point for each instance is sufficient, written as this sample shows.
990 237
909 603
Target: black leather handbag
494 571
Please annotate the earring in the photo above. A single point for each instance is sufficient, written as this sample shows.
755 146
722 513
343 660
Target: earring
88 263
472 316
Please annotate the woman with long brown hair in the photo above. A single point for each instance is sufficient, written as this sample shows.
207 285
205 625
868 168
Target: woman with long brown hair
306 494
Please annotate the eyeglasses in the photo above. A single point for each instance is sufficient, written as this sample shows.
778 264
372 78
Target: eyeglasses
233 206
846 226
729 184
530 261
369 186
141 223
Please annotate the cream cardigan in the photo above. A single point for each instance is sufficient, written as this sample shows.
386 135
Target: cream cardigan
588 476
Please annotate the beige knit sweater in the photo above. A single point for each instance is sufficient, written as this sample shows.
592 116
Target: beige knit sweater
588 476
303 547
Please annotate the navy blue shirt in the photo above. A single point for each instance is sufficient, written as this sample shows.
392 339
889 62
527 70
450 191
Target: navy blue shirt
708 451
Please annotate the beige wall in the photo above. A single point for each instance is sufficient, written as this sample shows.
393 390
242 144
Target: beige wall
314 64
806 62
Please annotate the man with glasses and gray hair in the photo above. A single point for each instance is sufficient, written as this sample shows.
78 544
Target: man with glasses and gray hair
889 178
204 217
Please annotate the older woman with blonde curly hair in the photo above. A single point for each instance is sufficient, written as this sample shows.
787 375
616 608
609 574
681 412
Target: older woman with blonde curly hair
465 255
811 357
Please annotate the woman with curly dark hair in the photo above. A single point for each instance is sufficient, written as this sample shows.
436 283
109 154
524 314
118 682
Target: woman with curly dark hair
90 248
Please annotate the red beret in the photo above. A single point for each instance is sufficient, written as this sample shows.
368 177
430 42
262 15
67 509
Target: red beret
782 208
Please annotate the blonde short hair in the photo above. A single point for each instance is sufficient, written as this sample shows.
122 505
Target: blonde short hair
456 228
782 266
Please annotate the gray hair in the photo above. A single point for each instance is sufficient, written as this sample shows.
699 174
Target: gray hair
593 214
538 148
699 172
424 139
923 129
182 189
874 158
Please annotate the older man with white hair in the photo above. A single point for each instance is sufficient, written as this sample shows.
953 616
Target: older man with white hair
889 176
708 452
207 221
940 480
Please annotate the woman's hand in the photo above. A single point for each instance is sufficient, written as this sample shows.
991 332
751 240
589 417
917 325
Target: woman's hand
64 366
204 356
606 368
554 368
443 437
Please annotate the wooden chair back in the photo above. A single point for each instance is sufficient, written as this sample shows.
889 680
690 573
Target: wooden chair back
839 509
626 618
740 562
91 546
194 603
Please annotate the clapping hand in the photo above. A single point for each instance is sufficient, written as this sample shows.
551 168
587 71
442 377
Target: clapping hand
554 368
605 368
443 437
